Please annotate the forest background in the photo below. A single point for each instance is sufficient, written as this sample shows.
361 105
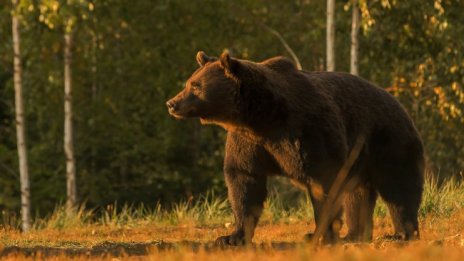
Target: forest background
129 57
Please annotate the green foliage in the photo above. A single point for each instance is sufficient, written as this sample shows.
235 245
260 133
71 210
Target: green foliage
129 57
417 55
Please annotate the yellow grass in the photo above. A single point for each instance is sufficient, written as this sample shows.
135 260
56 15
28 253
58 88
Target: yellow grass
442 239
188 229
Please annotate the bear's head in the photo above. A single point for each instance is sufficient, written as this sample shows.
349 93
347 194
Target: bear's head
208 93
228 92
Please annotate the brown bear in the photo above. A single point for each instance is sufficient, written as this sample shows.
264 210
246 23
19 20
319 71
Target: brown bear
303 125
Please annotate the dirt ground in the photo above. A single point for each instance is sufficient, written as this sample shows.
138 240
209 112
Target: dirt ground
441 239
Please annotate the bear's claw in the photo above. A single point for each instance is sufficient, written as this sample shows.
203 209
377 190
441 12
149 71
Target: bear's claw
235 239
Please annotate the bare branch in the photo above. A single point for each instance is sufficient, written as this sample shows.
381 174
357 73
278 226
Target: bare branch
287 47
285 44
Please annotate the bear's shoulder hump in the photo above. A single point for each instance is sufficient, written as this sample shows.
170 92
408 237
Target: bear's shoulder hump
279 63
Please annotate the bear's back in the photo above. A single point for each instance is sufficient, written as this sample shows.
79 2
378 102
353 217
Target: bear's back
279 64
355 94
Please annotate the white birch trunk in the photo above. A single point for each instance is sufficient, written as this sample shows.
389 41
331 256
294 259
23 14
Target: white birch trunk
68 126
354 38
20 126
94 98
330 35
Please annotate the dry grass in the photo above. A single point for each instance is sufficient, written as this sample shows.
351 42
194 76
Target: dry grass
186 232
442 238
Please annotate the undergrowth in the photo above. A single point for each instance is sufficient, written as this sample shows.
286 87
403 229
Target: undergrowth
439 199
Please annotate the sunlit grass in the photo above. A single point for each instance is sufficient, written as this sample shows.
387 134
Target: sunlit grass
439 200
200 221
442 199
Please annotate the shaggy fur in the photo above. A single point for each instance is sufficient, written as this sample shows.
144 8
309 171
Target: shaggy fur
282 121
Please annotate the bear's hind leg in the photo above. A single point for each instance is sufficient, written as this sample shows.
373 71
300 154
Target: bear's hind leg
405 222
397 163
403 201
359 208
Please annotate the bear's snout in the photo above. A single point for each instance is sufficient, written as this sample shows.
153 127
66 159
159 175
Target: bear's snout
180 107
171 105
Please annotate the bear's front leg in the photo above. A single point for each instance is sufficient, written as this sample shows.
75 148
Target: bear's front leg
246 195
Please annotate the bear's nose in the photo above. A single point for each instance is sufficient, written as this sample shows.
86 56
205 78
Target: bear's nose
170 105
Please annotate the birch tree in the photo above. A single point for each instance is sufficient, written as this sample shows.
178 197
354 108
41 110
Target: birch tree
68 121
354 38
330 35
63 17
20 124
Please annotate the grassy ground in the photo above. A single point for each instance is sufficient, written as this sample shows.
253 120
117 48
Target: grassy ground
186 232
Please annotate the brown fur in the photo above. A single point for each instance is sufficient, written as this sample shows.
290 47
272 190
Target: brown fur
282 121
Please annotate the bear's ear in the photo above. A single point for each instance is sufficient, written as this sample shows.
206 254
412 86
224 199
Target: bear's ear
203 59
229 65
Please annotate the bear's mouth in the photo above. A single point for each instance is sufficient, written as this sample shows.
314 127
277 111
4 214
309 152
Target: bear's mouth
204 121
181 115
177 116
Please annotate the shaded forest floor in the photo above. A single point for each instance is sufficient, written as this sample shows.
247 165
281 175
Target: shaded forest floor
442 238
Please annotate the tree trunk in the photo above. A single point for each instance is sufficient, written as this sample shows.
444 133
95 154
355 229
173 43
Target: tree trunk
354 38
94 66
93 149
21 126
330 35
68 126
